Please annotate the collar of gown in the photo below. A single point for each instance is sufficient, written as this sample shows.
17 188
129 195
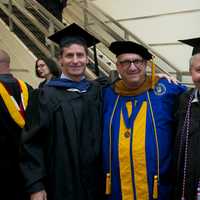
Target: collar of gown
196 96
121 89
74 86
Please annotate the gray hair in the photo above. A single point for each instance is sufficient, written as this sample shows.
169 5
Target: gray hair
192 59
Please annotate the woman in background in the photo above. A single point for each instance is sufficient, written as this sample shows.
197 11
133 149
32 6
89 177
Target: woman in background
46 68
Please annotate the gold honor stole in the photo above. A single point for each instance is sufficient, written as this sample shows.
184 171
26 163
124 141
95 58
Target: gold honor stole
138 155
16 111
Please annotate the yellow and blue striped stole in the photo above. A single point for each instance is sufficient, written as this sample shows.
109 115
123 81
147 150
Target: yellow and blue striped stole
13 108
132 155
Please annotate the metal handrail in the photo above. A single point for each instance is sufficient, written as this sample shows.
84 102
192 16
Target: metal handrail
24 29
89 10
92 10
30 17
161 15
49 17
108 30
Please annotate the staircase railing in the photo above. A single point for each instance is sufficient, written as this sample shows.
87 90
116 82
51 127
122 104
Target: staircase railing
94 18
47 25
103 26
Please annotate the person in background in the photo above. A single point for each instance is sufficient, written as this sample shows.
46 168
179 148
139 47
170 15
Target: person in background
187 146
55 7
46 68
14 95
62 136
137 128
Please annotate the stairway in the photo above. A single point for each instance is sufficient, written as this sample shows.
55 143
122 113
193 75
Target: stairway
22 35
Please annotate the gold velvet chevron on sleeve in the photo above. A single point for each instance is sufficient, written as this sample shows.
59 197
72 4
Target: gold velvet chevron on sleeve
16 111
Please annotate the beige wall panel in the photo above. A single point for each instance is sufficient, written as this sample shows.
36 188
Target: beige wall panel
21 58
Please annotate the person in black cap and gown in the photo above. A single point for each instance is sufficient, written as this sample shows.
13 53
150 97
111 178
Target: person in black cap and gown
187 147
55 7
61 139
14 96
137 128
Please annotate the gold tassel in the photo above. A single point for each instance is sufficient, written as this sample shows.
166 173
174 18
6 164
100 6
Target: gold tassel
155 187
108 184
153 74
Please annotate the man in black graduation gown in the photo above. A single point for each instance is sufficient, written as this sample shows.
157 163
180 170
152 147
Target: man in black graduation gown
187 151
13 101
61 139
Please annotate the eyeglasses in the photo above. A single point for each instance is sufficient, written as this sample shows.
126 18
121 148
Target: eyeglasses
41 65
127 63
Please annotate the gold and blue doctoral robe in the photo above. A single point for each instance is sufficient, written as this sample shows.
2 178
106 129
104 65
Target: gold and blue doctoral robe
137 141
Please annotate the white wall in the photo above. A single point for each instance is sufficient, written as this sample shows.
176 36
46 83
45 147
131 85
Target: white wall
120 9
159 29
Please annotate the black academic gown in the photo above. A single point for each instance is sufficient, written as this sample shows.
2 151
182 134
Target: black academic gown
193 164
44 82
61 144
10 133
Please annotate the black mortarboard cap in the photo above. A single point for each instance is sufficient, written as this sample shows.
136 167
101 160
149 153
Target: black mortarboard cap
120 47
73 33
194 42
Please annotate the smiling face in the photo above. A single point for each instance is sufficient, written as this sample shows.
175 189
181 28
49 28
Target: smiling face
195 70
73 61
132 68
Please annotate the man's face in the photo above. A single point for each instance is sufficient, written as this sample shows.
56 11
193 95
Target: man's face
132 68
73 61
195 70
